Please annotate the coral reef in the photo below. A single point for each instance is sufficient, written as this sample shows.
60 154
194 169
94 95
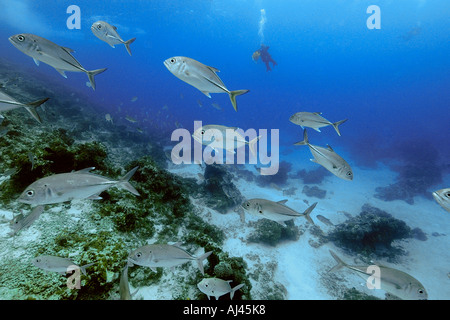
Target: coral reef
279 179
314 176
314 192
372 232
218 191
272 233
420 172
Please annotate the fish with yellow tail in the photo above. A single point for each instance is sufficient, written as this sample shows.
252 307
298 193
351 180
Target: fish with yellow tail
200 76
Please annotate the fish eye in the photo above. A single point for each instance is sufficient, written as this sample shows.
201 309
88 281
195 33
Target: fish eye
138 255
260 211
20 38
447 194
349 173
99 26
203 132
173 60
247 204
30 193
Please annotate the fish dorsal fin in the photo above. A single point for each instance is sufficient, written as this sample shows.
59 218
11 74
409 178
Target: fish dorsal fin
68 50
213 69
114 27
282 201
317 113
85 170
329 148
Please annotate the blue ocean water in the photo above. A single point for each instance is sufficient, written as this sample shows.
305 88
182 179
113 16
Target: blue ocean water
392 83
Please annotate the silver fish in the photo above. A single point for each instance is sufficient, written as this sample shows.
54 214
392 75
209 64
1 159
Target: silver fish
443 198
217 287
58 57
8 103
324 220
164 255
70 186
391 280
124 287
314 120
20 222
220 138
275 211
329 159
200 76
108 33
57 264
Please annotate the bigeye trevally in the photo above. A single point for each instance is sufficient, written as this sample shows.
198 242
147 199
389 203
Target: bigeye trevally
314 120
8 103
54 55
275 211
229 138
164 255
328 159
70 186
391 280
108 33
217 287
200 76
443 198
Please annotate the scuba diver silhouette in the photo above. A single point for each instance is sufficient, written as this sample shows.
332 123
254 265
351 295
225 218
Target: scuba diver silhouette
265 56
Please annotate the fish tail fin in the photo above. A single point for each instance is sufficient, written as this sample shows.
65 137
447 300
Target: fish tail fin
127 45
339 264
234 94
308 212
336 125
124 184
83 268
200 261
31 108
252 145
92 74
305 141
235 289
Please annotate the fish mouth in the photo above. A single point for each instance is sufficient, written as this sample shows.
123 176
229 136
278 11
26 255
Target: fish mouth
166 64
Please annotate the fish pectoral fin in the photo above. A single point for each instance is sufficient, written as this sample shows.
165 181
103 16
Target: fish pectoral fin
62 72
313 160
206 94
68 50
36 61
213 69
281 223
153 269
95 197
317 129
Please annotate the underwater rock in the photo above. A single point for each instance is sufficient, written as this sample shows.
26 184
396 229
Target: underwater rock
420 172
220 192
271 233
279 179
314 192
314 176
371 232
